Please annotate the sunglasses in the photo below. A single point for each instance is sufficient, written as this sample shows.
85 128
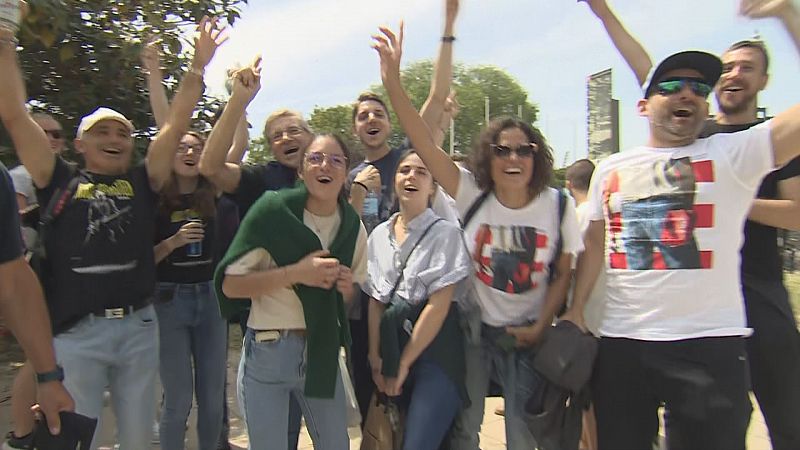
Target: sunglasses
317 158
55 134
523 151
674 85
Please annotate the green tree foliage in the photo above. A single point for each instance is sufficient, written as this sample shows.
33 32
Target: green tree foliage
473 84
77 55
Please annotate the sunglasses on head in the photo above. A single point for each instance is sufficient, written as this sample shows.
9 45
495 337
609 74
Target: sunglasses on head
523 150
317 158
55 134
674 85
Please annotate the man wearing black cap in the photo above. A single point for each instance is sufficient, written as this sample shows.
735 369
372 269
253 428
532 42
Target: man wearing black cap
669 216
774 347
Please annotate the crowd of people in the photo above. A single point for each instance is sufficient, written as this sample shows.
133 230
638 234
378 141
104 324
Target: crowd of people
439 279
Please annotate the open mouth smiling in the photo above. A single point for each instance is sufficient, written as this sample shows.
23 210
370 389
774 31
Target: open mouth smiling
324 179
373 131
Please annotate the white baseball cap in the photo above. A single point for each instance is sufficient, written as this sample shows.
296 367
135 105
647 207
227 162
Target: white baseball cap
102 114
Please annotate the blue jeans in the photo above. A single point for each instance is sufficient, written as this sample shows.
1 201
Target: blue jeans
120 353
192 333
515 374
270 373
434 403
647 225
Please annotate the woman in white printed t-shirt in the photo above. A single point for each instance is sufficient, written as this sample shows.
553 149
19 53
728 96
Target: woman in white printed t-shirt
512 238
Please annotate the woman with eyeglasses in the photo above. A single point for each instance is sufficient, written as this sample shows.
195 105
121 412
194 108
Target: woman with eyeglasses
297 255
192 333
519 242
416 348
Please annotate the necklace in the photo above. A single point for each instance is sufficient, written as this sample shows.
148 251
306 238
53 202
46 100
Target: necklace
314 221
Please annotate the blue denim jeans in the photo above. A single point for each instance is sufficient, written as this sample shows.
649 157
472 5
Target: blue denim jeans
434 402
119 353
647 225
270 373
192 334
514 372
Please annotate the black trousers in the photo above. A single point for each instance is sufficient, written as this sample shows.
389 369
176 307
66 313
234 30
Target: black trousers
359 359
703 384
774 354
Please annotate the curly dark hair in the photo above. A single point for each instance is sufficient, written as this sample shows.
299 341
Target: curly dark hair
481 159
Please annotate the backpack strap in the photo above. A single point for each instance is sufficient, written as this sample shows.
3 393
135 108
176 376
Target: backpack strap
562 206
473 208
54 209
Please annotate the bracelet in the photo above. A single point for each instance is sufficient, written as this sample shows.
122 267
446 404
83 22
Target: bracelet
448 38
362 185
56 374
199 72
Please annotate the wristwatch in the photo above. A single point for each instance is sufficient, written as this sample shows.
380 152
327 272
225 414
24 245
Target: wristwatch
56 374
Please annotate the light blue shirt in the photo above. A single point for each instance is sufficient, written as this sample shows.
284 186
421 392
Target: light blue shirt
439 260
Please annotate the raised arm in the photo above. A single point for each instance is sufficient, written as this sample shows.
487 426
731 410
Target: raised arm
630 49
433 108
213 165
783 10
162 149
443 169
785 130
30 141
151 66
241 139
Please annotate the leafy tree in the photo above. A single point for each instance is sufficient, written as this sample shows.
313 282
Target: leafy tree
80 54
473 85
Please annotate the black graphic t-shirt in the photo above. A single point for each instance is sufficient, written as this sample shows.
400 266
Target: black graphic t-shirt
100 248
760 256
387 166
10 238
257 179
181 266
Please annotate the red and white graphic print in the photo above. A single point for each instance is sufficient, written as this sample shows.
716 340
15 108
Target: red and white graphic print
509 257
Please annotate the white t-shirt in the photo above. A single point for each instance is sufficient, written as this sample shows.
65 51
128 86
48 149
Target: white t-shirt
512 249
672 259
281 309
595 305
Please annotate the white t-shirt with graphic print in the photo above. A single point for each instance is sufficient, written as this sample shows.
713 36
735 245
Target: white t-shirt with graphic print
511 250
672 258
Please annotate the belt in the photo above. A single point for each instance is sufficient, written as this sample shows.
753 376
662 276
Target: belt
274 335
117 313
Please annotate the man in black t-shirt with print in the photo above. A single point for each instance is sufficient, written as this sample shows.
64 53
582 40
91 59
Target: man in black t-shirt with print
100 268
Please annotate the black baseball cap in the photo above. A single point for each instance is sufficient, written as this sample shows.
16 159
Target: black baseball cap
709 66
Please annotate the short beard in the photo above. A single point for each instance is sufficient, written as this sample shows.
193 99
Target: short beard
737 108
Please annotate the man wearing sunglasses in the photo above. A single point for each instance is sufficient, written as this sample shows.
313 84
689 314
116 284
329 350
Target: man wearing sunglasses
774 347
674 334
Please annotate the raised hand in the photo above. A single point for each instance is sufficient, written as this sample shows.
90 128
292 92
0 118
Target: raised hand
756 9
598 7
390 49
151 56
247 80
211 35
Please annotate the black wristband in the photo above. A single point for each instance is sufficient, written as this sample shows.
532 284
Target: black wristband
366 189
56 374
448 38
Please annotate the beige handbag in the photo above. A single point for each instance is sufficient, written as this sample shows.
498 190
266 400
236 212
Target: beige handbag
383 429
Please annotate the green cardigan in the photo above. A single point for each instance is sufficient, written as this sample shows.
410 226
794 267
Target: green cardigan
275 223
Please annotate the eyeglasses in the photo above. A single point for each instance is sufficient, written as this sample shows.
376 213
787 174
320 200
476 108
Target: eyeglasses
292 132
55 134
317 158
674 85
184 148
523 151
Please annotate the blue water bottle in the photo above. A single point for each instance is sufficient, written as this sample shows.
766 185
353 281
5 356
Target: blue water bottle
194 249
370 210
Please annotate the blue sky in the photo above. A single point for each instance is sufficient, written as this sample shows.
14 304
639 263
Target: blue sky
316 52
